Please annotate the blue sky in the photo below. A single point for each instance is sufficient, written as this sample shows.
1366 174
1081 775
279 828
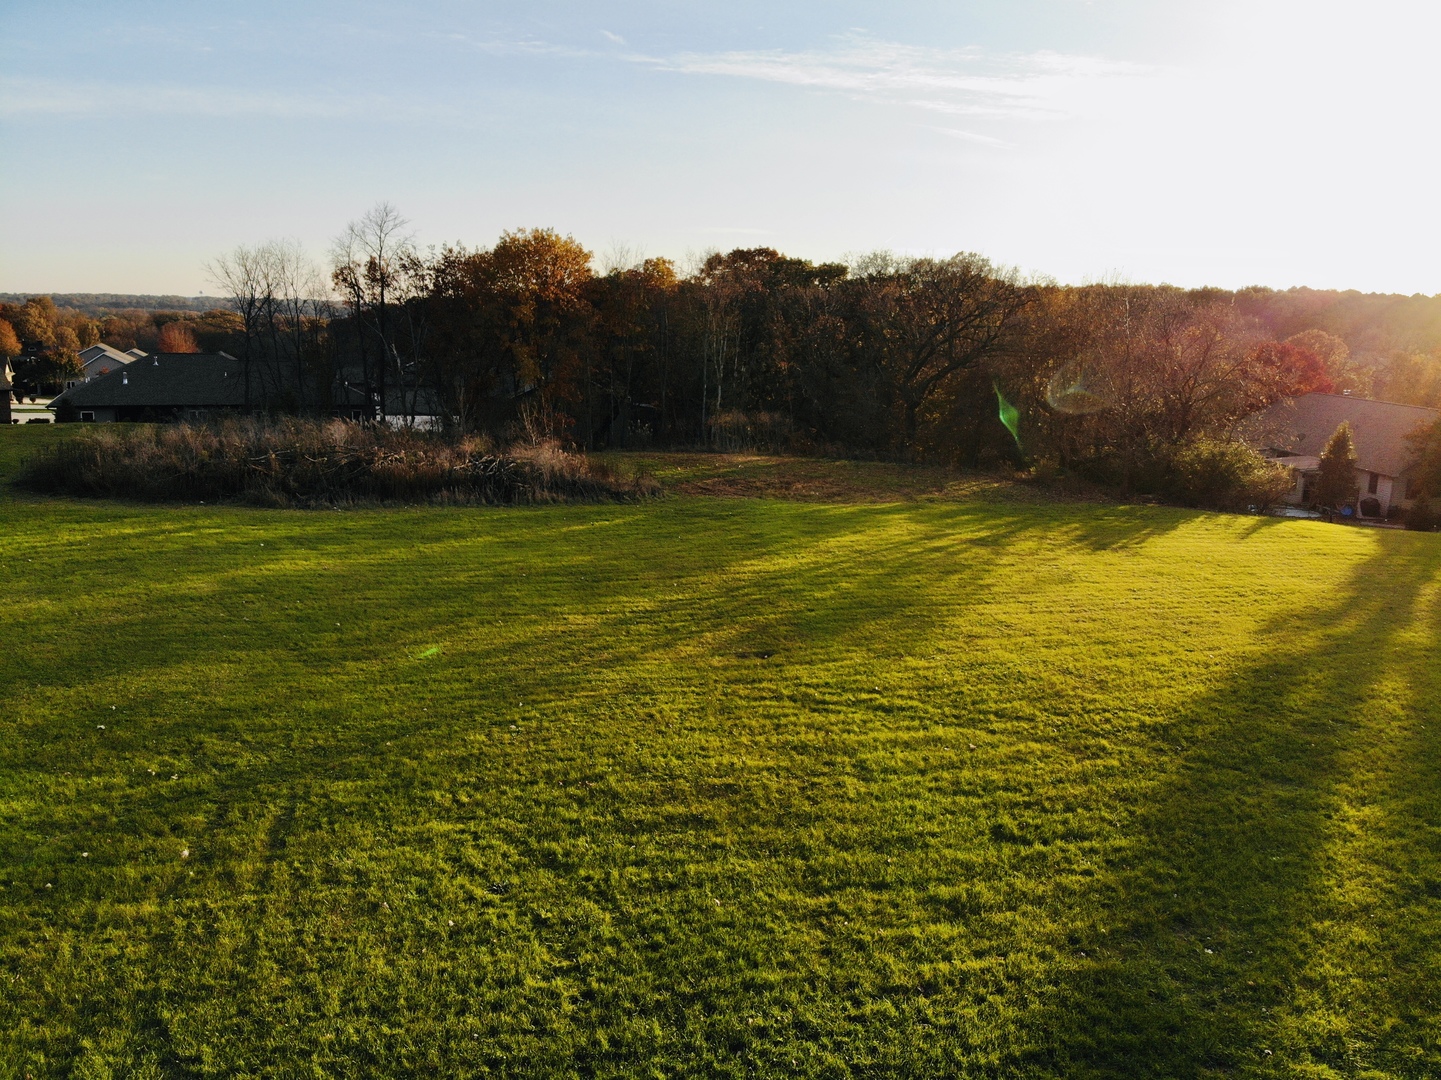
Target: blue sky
1222 142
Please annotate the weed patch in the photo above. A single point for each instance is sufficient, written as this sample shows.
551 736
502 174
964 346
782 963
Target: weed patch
312 463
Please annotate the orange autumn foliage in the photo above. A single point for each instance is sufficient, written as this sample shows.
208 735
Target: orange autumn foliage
176 337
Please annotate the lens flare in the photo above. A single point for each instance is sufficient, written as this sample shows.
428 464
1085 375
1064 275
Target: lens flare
1076 390
1010 416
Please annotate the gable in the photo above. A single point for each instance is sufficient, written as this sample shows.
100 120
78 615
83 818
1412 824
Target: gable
96 357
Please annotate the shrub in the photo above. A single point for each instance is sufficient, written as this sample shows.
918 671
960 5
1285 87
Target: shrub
1420 517
1223 475
315 463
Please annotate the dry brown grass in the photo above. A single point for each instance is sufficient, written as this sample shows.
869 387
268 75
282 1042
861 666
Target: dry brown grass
304 463
815 479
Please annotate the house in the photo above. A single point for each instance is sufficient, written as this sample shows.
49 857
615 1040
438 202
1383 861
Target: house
163 386
97 360
196 386
1294 432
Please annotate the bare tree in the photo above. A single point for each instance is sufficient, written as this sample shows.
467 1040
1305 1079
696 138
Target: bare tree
620 257
293 286
373 260
242 277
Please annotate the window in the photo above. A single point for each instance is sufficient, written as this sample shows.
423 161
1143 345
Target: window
1371 484
88 417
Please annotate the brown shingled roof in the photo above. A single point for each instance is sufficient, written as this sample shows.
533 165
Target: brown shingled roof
1378 428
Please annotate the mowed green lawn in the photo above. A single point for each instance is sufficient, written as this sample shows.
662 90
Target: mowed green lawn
716 787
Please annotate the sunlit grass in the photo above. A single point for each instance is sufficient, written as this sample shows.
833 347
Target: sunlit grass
716 787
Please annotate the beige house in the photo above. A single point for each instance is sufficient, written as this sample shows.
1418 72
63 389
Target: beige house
1294 432
97 360
6 385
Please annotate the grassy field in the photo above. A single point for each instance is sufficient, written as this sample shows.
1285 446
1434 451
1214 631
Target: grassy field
983 785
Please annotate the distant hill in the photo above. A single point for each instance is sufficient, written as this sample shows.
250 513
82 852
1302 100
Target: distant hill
97 303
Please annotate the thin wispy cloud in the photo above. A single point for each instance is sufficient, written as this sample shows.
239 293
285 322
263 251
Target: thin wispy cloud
951 82
33 97
21 97
36 99
963 82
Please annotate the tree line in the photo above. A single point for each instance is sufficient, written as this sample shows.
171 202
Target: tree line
954 359
44 339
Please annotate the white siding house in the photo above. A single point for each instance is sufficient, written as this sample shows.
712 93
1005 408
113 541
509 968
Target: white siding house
1294 432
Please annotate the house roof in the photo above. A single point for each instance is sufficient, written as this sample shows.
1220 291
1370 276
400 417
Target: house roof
1302 426
164 381
102 349
103 356
1301 463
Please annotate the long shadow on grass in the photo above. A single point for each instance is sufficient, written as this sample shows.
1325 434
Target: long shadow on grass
837 578
1387 933
872 559
882 588
1207 949
335 714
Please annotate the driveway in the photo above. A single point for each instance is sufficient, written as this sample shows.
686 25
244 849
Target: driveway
27 410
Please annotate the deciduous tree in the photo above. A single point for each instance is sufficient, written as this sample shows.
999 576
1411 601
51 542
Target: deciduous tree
1344 374
1280 369
515 328
9 341
35 321
243 278
921 321
374 265
177 337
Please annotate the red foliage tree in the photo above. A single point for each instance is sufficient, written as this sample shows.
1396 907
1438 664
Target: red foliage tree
176 337
1287 370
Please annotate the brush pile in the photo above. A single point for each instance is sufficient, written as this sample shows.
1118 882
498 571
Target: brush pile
315 463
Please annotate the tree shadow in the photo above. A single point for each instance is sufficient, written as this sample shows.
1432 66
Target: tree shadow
916 542
809 582
818 581
1204 948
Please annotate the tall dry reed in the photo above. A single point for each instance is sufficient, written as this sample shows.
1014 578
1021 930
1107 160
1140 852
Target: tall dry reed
292 462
